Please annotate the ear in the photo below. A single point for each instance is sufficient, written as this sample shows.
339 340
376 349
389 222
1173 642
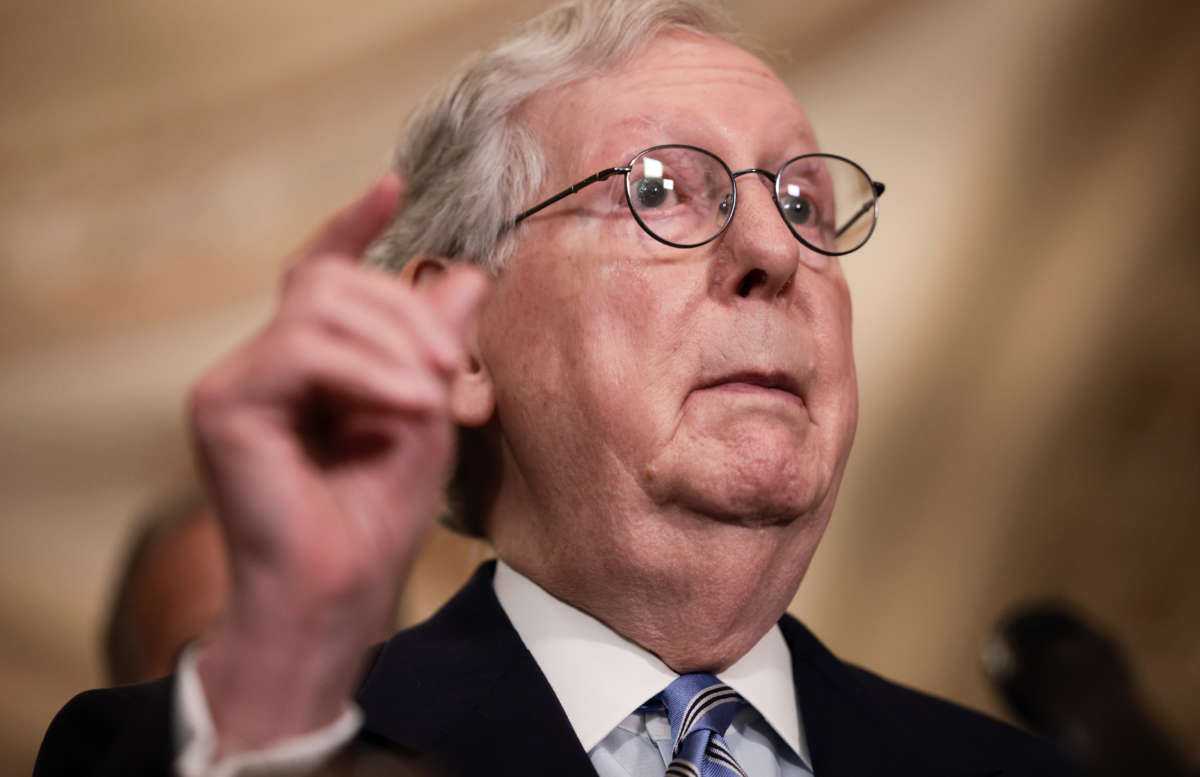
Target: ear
472 395
421 271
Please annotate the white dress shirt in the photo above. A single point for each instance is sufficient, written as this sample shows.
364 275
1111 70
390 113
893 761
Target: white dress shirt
600 678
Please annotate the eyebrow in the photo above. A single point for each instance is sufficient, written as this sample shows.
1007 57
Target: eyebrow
654 125
662 127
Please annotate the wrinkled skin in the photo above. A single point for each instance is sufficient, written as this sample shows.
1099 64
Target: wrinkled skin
633 486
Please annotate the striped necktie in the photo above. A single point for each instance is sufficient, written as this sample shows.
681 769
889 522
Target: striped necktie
700 708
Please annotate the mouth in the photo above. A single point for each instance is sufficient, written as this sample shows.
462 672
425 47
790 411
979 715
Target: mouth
779 383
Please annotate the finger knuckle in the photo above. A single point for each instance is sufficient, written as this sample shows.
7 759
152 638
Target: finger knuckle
313 272
315 309
292 340
291 276
208 399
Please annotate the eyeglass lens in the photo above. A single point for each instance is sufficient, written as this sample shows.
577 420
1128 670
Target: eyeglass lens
680 195
685 197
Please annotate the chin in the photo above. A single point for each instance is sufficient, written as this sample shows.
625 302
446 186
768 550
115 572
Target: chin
746 495
750 506
752 475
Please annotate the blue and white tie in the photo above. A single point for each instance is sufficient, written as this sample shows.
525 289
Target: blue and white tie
700 708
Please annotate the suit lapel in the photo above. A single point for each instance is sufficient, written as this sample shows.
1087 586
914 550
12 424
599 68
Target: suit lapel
846 734
843 742
462 690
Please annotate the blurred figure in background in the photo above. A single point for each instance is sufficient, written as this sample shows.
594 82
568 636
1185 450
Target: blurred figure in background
1071 683
172 588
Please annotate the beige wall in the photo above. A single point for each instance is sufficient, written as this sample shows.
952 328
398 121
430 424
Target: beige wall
1028 314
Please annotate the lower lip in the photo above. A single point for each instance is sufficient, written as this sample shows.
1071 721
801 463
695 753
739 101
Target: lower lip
754 389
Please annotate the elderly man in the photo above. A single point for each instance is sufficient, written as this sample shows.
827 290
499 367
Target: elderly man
653 382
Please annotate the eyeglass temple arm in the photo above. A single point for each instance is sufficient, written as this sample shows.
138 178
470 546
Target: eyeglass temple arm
879 188
591 179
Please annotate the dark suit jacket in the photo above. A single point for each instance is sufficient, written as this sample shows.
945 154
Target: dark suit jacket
461 694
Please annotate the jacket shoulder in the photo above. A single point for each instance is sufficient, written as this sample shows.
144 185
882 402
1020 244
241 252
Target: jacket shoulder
120 730
863 723
956 734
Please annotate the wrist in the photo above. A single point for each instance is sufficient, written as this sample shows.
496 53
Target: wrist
270 673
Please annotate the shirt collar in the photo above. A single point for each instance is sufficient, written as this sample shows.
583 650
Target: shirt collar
600 677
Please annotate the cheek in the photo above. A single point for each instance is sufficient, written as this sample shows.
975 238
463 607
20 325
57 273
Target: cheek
625 312
622 361
574 338
836 400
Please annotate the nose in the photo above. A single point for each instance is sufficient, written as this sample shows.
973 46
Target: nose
760 256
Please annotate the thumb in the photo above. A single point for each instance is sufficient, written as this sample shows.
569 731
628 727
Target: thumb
352 229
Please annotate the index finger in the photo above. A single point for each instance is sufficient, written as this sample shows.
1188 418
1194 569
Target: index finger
352 229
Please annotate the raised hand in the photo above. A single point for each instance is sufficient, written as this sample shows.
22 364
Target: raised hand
324 440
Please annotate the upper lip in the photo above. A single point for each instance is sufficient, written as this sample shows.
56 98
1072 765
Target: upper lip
775 379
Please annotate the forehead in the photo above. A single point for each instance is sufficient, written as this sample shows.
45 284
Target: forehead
680 88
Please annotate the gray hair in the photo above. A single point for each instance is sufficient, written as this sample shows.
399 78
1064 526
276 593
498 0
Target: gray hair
470 165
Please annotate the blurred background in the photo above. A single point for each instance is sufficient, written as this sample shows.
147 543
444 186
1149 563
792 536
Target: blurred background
1027 314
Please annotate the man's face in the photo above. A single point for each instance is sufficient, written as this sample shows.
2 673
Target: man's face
639 383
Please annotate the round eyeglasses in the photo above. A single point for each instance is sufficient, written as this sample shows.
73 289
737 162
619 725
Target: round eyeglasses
685 197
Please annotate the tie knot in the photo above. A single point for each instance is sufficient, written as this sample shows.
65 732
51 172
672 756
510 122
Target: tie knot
697 702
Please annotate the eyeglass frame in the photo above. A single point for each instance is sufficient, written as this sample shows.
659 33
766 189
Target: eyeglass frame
877 189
